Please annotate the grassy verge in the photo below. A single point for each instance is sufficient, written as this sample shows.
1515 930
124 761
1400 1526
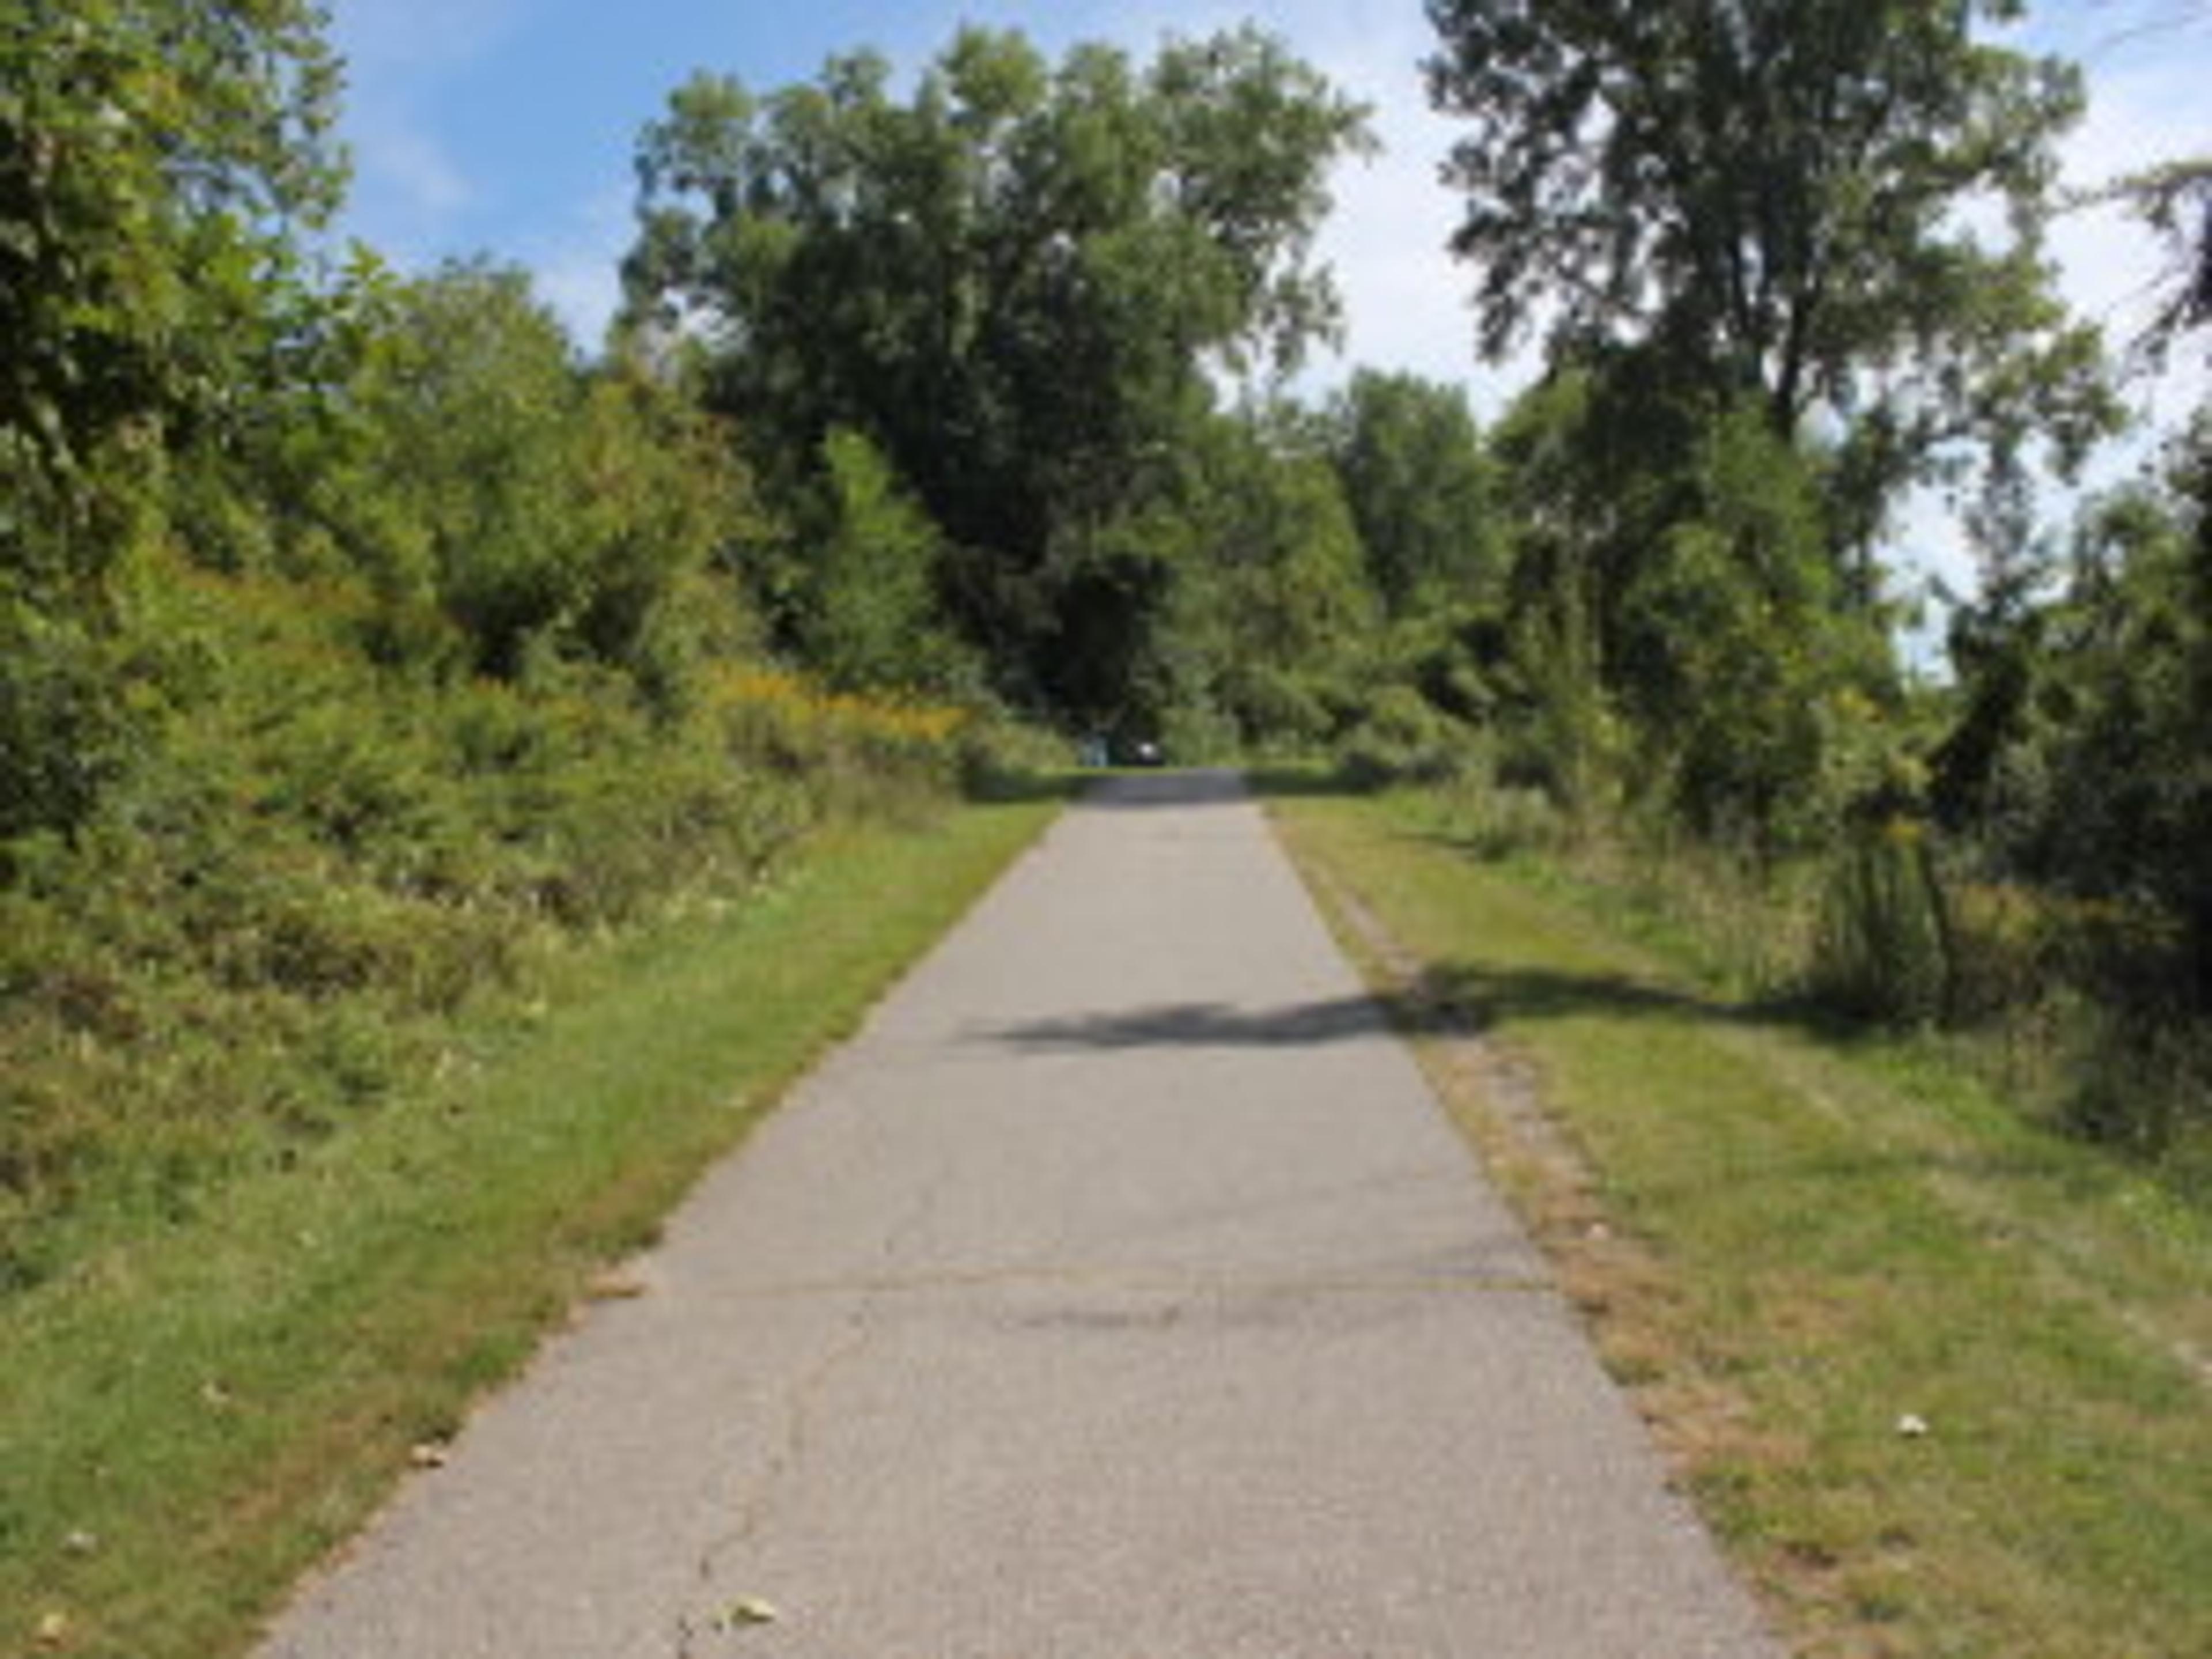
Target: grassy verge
190 1418
1941 1381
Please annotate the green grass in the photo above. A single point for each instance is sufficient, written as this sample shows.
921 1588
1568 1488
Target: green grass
1824 1235
192 1416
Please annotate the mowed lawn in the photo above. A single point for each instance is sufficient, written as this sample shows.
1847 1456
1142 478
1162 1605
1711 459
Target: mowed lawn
1940 1379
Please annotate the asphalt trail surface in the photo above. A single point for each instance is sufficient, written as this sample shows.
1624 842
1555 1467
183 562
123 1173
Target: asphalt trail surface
1119 1293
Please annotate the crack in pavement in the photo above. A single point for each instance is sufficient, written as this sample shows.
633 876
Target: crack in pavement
800 1402
798 1407
1164 1283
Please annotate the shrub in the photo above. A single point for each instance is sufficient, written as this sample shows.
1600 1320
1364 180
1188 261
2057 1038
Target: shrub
63 734
1496 820
1193 732
1405 739
260 927
1882 945
997 755
2001 950
2144 1086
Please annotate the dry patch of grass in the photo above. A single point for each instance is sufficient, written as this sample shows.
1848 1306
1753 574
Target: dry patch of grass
1933 1376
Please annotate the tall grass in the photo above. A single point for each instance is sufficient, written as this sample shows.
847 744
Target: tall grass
1936 1376
311 865
2068 1005
1882 945
198 1409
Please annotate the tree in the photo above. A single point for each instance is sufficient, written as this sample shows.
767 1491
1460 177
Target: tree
665 510
1777 195
1276 590
470 401
1014 283
867 616
2082 755
156 157
506 503
1735 658
1680 624
1789 256
2175 200
1419 489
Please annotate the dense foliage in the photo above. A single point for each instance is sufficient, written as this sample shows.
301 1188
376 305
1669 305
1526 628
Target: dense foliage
1789 262
1019 285
1767 194
362 648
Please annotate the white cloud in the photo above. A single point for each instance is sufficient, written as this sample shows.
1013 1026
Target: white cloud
578 272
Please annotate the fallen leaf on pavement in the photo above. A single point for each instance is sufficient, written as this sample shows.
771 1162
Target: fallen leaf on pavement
616 1285
748 1610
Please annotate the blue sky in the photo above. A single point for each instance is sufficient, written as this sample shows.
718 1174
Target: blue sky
506 127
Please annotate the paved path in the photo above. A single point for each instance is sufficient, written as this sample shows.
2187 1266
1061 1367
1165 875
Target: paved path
1119 1293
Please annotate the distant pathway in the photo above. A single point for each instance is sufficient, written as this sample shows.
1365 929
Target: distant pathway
1119 1293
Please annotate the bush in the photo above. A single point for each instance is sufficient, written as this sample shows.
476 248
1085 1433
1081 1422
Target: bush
1405 739
62 735
1191 731
2143 1086
2000 954
998 756
1497 820
1881 945
265 922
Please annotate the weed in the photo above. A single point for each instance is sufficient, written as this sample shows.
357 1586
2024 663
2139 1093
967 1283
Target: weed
1883 947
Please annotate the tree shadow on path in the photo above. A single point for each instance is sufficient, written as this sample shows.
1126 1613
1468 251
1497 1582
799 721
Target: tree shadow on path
1205 1026
1458 996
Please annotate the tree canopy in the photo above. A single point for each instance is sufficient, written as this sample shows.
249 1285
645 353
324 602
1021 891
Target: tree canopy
1017 282
1420 488
1790 198
154 159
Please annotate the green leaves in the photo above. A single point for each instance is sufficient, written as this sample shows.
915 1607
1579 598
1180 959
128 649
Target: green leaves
152 158
539 509
869 618
1773 191
1420 488
1788 255
1013 283
2082 752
